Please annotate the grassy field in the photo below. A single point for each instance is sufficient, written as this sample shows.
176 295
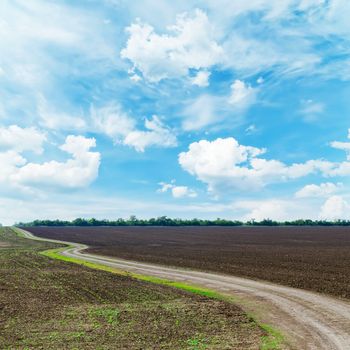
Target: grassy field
50 304
314 258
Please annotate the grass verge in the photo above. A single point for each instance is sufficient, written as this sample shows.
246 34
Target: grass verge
274 340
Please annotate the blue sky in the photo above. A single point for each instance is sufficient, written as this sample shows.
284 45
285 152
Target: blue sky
201 108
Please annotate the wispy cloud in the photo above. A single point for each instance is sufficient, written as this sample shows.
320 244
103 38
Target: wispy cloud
122 128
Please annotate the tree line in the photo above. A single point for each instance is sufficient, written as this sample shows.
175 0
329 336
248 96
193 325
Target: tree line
166 221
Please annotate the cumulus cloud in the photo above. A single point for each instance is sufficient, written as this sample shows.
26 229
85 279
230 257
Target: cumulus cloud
20 139
177 191
78 171
225 164
322 190
10 161
215 163
189 44
122 128
335 207
338 169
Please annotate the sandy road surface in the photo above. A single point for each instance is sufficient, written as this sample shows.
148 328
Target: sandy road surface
308 320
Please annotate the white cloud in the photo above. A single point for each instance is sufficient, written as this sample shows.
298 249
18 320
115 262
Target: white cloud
247 54
322 190
135 77
78 146
190 44
157 134
284 38
335 207
338 169
122 128
165 186
225 164
22 139
29 28
201 112
259 210
271 8
183 191
311 109
251 129
279 36
177 191
78 171
206 110
242 95
9 161
112 121
52 119
345 146
215 163
51 47
294 29
201 79
279 209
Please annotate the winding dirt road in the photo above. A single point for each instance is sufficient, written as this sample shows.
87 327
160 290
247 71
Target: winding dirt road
308 320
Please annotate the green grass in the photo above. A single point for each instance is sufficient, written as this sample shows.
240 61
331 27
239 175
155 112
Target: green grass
197 343
273 339
109 315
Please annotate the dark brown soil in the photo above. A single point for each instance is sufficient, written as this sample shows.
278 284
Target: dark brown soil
314 258
49 304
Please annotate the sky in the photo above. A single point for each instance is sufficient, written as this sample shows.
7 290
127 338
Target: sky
228 108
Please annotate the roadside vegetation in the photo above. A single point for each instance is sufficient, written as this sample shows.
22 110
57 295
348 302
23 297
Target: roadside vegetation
51 304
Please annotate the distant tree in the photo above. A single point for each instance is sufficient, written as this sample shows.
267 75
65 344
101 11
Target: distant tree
166 221
251 222
132 220
80 222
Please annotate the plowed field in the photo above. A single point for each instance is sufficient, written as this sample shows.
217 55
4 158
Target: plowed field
313 258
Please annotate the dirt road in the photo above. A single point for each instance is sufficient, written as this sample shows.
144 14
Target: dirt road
308 320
